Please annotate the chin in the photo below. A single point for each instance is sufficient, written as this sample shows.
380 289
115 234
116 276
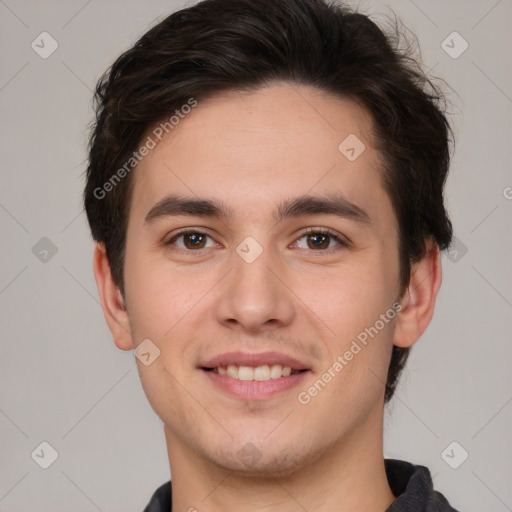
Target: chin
256 459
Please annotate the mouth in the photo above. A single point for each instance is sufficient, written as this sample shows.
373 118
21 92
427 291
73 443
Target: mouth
254 376
259 373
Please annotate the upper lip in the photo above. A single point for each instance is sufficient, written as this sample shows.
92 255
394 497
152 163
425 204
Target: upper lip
254 360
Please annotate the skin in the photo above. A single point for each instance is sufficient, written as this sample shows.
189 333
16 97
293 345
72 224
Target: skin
252 151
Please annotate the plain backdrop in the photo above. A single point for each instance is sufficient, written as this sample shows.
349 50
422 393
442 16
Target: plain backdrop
64 382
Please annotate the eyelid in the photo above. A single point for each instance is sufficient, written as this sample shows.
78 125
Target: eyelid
328 231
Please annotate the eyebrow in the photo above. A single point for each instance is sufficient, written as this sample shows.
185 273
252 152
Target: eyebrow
332 204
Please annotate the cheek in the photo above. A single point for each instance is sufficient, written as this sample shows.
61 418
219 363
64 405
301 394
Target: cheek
355 306
349 298
159 297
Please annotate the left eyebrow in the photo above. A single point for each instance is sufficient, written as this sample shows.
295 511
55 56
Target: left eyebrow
330 205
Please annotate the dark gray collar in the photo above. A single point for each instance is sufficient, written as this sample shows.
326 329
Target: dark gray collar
412 485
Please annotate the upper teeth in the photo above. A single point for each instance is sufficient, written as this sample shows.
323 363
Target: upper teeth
264 372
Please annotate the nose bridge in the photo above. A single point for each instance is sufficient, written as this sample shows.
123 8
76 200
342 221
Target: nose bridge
252 296
253 273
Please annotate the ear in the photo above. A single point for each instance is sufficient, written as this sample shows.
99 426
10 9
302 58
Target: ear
112 300
419 299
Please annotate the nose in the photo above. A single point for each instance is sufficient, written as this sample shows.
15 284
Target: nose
254 297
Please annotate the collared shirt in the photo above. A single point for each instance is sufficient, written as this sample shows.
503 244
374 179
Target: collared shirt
411 484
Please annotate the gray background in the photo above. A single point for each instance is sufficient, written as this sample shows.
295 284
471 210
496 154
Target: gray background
64 382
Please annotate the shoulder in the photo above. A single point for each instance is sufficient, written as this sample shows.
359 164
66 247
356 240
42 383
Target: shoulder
161 501
412 485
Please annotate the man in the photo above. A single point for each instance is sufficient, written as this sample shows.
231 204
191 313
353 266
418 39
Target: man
265 184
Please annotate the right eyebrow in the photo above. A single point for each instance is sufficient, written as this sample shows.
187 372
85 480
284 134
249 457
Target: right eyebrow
177 205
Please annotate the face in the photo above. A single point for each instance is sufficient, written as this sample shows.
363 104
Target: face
280 250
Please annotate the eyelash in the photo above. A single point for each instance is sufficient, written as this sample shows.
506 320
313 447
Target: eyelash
342 242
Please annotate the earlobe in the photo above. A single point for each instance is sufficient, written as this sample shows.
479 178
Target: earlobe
112 301
419 299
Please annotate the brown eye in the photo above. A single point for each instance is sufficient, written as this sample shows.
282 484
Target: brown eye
321 240
191 240
194 240
318 241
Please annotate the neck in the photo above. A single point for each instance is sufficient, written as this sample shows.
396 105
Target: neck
347 476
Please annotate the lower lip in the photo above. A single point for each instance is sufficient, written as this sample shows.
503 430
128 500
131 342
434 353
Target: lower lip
255 389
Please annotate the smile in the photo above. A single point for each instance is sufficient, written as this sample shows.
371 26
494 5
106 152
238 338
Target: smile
257 383
260 373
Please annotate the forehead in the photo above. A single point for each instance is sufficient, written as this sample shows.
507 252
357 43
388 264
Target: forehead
249 149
